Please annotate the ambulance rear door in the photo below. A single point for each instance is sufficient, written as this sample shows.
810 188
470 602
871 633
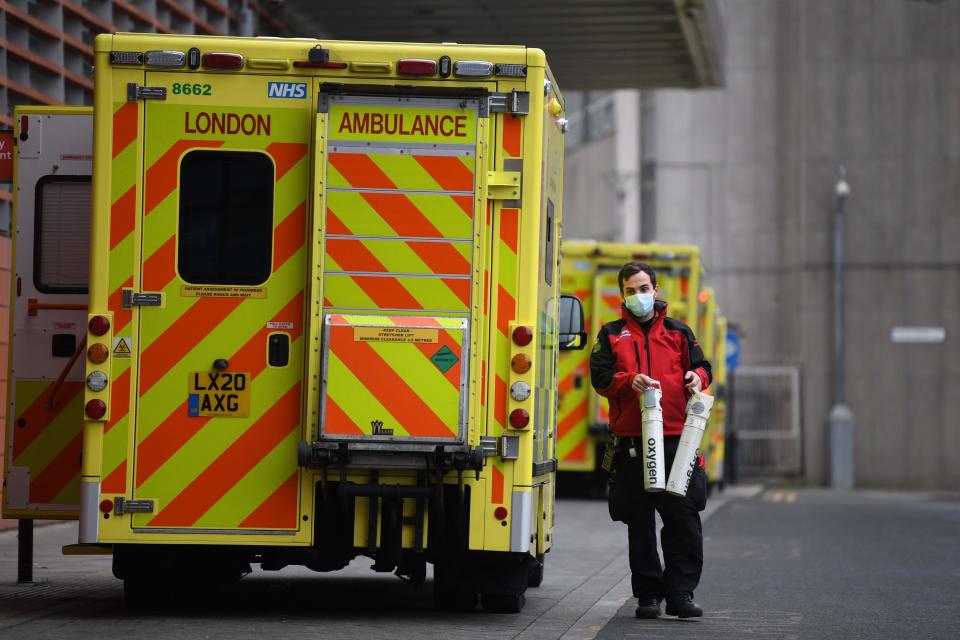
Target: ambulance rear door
399 179
48 305
220 340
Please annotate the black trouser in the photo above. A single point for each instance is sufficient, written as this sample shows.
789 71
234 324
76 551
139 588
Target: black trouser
681 536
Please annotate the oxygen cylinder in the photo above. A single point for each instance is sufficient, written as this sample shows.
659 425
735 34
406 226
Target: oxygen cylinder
698 411
654 477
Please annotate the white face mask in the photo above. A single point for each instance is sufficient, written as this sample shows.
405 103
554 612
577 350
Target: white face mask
639 304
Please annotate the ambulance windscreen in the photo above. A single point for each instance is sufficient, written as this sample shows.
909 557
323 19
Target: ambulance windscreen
226 217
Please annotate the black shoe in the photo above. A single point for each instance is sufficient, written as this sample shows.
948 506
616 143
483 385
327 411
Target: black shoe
683 606
648 608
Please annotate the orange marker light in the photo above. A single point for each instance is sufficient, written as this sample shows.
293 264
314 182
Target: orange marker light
98 353
521 363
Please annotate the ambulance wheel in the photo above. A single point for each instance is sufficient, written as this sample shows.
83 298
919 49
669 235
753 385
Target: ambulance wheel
139 593
448 592
503 602
536 571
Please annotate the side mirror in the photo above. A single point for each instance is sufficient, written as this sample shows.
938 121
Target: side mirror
572 335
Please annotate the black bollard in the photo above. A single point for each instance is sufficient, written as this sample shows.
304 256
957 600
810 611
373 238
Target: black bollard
25 551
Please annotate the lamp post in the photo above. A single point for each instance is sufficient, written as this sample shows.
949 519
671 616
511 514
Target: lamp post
840 421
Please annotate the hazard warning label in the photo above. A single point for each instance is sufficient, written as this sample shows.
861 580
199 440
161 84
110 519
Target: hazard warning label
122 347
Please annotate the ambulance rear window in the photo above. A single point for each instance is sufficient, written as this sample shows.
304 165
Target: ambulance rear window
62 238
226 217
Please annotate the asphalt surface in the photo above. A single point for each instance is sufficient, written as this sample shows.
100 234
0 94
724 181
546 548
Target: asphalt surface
822 564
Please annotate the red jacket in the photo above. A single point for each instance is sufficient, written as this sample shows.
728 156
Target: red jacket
665 350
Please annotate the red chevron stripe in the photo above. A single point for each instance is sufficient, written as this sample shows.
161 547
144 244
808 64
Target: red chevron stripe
124 127
506 310
119 400
286 155
123 216
58 474
509 219
116 482
121 316
576 416
578 453
160 268
337 422
279 511
180 337
178 427
38 416
448 171
500 401
360 171
377 375
402 215
245 453
289 235
511 135
335 225
496 485
161 178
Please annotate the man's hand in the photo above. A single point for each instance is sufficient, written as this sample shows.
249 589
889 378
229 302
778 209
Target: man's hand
641 382
692 382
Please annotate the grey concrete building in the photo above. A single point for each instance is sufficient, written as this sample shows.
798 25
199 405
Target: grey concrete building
749 173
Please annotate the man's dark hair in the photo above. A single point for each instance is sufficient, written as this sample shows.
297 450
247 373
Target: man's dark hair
633 268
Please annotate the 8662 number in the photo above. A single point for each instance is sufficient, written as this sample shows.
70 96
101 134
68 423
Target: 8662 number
191 89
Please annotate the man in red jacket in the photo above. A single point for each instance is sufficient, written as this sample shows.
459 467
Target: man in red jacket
646 348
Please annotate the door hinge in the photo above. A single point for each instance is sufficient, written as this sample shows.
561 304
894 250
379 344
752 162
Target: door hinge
503 185
133 298
515 102
122 506
136 92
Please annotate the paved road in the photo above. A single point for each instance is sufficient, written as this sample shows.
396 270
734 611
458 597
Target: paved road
77 597
821 564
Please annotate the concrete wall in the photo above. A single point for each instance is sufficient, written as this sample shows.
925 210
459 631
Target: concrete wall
748 172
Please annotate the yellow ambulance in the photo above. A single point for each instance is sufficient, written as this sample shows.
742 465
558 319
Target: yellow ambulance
711 332
324 311
589 271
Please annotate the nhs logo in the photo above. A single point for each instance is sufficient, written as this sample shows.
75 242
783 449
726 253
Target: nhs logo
287 90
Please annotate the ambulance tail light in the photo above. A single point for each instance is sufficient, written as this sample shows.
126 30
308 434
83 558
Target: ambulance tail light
96 409
641 256
99 325
415 67
223 60
500 513
522 336
106 506
519 418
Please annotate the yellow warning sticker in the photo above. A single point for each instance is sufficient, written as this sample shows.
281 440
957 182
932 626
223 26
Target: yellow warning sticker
395 334
213 291
121 347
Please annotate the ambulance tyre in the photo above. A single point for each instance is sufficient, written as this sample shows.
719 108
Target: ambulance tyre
503 602
536 571
449 592
140 593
